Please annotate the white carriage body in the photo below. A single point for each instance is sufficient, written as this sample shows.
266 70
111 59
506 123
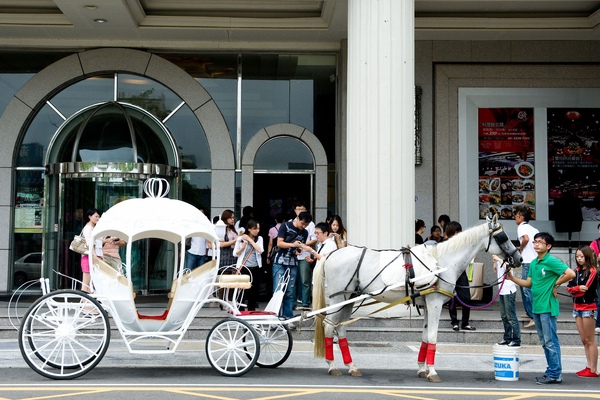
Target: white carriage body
154 218
78 322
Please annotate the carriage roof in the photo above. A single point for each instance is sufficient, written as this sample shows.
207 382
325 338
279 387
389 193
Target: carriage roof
155 217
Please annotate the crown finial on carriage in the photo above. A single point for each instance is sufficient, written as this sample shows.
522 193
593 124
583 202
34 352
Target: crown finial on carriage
156 187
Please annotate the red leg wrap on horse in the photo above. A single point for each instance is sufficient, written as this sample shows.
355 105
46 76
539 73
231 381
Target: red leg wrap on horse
343 342
422 352
329 348
431 354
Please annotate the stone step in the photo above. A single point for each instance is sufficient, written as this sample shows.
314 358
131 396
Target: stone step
376 330
487 321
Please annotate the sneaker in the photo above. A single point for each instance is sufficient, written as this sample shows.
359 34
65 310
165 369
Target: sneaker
292 327
525 316
588 374
530 324
514 344
582 371
503 343
546 380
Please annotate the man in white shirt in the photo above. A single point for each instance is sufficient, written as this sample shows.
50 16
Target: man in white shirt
526 233
304 284
325 244
508 294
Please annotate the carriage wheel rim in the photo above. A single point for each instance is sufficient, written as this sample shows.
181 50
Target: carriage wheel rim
275 344
64 334
232 347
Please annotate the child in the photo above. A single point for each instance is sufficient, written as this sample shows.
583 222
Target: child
583 289
508 295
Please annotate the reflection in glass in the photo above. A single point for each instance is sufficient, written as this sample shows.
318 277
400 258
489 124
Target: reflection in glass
224 93
27 248
97 89
36 140
264 103
283 154
196 189
190 138
147 94
106 137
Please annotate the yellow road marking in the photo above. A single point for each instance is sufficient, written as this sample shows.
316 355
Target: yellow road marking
289 392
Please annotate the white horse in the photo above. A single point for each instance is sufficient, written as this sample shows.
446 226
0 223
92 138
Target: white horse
353 271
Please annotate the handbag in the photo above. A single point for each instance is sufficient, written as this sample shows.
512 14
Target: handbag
79 245
273 253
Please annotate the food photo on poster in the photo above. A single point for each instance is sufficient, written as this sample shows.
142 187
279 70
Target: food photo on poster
506 161
574 158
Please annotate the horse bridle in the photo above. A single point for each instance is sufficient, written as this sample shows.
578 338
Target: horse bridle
501 238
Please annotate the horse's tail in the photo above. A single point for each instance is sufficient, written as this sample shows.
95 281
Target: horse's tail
318 302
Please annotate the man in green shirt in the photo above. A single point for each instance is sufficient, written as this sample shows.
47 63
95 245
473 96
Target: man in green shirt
546 273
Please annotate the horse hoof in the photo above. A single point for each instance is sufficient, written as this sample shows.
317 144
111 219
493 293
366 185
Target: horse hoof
434 378
355 372
335 372
422 374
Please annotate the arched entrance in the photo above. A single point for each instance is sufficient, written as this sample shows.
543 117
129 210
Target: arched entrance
92 68
285 161
100 156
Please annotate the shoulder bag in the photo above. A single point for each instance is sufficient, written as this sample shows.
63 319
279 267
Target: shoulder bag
79 245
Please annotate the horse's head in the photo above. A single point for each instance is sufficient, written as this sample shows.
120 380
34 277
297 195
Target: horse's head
502 242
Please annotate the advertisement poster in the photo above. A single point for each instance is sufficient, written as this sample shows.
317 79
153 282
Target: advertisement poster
574 158
506 165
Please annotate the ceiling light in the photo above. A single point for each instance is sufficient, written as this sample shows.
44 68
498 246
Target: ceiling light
100 20
90 7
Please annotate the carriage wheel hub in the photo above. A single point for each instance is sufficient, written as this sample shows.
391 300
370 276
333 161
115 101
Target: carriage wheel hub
64 332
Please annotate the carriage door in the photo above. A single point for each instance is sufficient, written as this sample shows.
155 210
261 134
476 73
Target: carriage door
99 157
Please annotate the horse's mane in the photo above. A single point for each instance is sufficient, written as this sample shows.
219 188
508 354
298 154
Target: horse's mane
471 235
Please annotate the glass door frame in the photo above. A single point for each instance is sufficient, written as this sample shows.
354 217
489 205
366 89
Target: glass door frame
55 239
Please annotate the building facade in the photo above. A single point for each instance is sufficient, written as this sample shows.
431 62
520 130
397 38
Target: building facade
272 103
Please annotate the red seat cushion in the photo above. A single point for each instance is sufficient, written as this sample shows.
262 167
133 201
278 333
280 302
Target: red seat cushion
157 317
242 313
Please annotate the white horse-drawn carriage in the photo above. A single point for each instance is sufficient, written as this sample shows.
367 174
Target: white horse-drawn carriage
66 333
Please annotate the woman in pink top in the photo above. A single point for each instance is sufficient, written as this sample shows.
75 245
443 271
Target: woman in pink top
110 251
279 218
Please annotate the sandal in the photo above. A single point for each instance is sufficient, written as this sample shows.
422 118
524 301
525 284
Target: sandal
468 328
455 328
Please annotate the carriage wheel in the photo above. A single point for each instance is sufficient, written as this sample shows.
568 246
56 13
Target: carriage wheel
275 344
232 347
64 334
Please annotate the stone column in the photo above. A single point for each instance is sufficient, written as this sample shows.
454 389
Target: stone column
380 132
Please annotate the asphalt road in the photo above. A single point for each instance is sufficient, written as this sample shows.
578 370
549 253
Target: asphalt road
389 370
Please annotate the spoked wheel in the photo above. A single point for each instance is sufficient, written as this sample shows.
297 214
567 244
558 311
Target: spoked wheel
275 344
64 334
232 347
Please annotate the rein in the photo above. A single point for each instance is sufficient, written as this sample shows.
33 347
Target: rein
501 283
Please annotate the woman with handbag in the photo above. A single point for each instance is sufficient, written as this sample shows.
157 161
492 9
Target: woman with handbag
93 216
228 242
248 250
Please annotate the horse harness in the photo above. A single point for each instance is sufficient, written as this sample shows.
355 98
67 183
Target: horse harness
497 233
407 254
